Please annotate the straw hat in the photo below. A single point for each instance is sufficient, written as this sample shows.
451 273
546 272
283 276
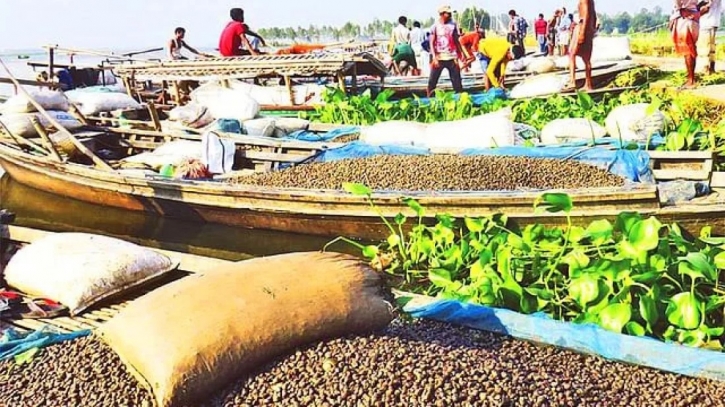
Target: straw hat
445 9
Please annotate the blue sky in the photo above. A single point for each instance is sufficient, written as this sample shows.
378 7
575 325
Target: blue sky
136 24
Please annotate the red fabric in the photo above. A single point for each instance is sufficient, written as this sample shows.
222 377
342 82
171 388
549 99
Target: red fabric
540 27
470 41
231 39
685 32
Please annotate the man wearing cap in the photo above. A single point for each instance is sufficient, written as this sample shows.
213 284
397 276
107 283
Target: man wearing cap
445 49
495 55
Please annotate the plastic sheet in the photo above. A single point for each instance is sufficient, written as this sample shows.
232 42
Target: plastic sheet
13 343
589 339
478 99
304 135
674 192
630 164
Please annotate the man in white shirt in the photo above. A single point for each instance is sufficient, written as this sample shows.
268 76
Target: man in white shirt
417 37
709 24
400 35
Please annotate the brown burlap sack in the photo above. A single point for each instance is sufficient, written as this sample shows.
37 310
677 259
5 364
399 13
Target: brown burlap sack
191 338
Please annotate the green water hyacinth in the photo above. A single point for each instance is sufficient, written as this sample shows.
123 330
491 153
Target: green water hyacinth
632 275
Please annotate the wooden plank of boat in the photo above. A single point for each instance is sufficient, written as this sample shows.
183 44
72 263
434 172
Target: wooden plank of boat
187 262
317 212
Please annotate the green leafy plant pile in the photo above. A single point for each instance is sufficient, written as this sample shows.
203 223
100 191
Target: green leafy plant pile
635 275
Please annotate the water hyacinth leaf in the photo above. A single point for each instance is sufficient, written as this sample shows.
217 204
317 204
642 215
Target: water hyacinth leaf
584 290
393 240
400 219
600 231
649 312
700 262
357 189
686 269
644 235
440 278
554 202
720 261
415 206
577 260
683 311
626 220
370 251
615 316
635 329
516 242
474 225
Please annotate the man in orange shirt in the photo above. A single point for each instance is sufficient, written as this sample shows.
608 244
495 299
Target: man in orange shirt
469 44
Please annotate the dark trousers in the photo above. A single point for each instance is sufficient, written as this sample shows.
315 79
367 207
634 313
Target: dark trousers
453 71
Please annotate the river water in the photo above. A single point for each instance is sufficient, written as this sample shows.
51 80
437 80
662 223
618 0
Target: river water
41 210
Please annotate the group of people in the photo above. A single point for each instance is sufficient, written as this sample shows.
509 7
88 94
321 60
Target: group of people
236 39
447 47
694 21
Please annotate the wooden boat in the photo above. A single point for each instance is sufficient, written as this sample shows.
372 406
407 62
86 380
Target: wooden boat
316 212
602 75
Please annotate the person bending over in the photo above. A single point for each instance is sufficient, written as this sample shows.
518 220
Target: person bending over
495 55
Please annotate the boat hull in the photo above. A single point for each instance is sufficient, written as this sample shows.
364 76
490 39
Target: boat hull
322 213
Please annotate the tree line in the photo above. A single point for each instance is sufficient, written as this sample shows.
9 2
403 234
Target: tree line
622 23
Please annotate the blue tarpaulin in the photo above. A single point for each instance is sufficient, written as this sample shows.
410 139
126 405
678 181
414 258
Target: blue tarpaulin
305 135
13 343
629 164
587 338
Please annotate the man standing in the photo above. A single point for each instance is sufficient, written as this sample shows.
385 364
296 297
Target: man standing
582 42
709 24
234 36
685 27
446 48
517 29
541 30
400 34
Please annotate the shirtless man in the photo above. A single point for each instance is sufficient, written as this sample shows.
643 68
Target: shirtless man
582 42
177 43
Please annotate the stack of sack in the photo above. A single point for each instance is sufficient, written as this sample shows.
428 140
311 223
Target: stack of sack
241 102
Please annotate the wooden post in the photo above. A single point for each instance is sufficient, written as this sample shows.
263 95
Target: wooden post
288 84
20 140
154 116
177 93
48 142
51 62
80 146
127 85
164 92
341 82
354 79
73 110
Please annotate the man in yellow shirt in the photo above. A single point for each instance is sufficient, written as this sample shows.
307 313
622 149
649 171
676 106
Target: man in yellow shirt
495 54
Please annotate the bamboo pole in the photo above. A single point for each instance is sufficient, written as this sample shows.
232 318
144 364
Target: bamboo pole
73 110
154 116
99 163
17 139
48 142
94 53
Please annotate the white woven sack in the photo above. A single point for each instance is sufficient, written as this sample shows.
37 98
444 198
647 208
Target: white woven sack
632 123
539 85
47 99
485 131
263 127
394 132
227 103
541 65
79 270
567 130
20 123
92 103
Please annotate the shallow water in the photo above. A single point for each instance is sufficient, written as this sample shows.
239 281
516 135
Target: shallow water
41 210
